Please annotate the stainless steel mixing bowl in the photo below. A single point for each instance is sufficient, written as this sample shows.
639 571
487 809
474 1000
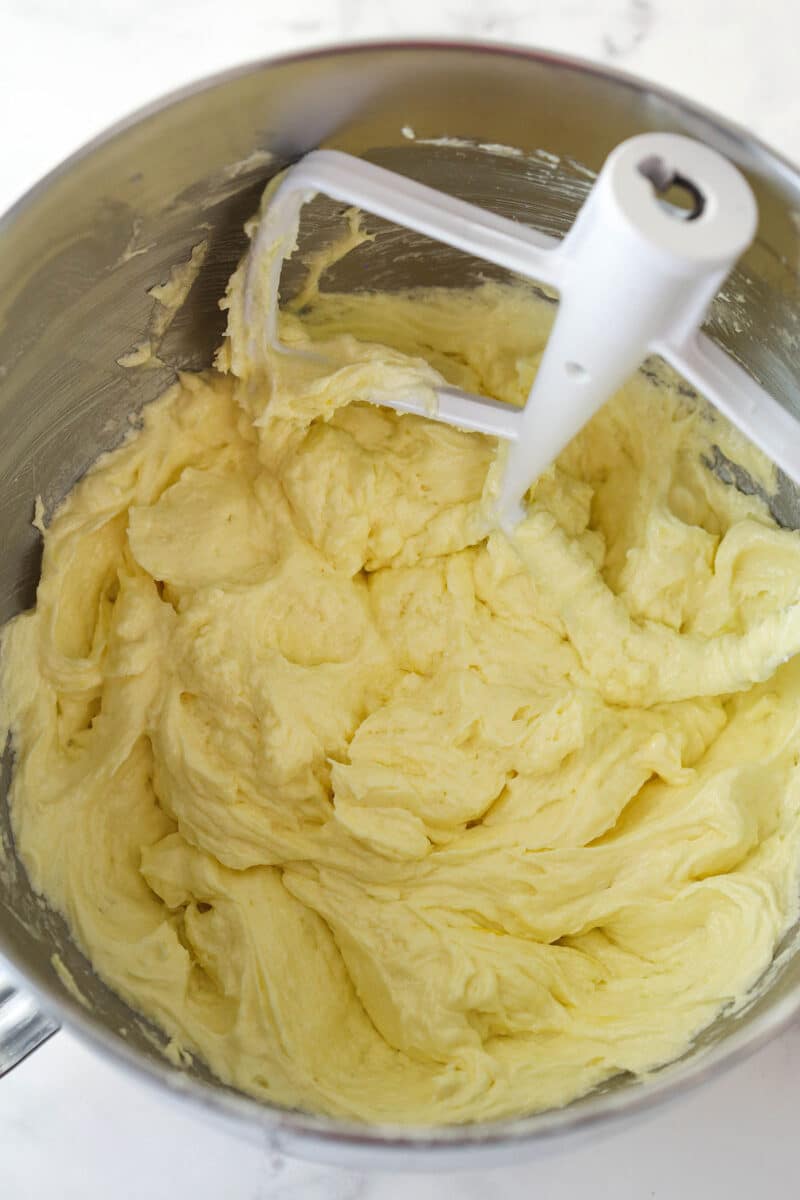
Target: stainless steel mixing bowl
77 255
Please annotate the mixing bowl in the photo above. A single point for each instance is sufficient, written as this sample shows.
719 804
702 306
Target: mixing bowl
77 257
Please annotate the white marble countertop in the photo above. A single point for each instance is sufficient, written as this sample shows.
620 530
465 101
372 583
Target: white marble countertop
70 1125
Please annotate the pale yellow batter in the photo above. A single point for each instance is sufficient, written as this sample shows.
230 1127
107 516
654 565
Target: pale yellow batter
382 816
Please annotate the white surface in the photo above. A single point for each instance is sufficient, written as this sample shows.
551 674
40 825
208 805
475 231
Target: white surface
70 1126
74 1128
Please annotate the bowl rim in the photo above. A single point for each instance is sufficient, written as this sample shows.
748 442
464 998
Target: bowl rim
343 1140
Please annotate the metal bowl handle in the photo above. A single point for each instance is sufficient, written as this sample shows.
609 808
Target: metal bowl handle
22 1026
